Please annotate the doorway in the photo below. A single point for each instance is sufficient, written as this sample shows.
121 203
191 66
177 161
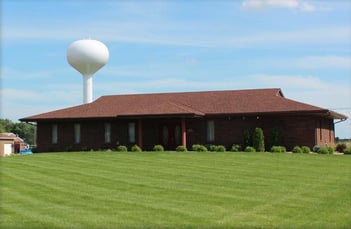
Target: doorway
170 135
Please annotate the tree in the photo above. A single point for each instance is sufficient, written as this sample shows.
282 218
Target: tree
23 130
5 125
247 138
276 137
258 140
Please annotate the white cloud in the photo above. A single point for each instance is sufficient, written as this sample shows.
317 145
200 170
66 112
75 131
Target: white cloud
305 6
308 89
183 35
324 62
16 74
289 4
260 4
21 103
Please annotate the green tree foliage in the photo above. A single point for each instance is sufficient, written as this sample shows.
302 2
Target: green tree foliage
258 140
276 137
23 130
247 138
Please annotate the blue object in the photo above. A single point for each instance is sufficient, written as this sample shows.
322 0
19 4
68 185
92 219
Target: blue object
26 151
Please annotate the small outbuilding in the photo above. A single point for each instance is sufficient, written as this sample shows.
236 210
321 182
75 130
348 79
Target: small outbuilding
10 143
186 118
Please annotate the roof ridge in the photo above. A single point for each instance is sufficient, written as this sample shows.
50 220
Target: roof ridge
194 92
187 108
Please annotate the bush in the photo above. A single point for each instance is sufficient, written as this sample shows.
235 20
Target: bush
330 149
181 148
158 148
122 148
247 138
198 148
297 149
278 149
347 151
250 149
305 149
235 148
258 140
323 150
195 147
340 147
213 148
135 148
316 148
217 148
276 137
221 148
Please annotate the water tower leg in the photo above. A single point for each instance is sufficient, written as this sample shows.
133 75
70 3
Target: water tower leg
88 88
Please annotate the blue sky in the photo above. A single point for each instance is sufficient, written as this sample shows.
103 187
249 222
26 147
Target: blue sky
301 46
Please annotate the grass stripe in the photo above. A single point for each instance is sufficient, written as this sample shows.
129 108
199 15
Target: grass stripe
175 190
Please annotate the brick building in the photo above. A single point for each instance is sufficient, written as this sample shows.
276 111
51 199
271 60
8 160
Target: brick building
172 119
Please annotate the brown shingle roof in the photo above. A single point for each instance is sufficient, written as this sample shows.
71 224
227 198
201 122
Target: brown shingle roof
254 101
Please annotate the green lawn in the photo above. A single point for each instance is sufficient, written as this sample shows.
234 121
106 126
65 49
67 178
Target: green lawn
175 190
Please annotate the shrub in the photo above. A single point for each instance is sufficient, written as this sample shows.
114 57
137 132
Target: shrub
181 148
250 149
247 138
323 150
235 148
198 148
221 148
195 147
122 148
340 147
158 148
316 148
135 148
258 140
276 137
330 149
217 148
306 149
297 149
347 151
278 149
213 148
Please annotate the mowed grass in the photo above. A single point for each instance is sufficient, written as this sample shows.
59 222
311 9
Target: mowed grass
175 190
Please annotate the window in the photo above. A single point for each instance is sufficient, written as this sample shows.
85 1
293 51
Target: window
77 133
54 134
107 132
131 132
210 131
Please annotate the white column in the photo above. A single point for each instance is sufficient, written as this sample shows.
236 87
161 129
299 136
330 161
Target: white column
87 88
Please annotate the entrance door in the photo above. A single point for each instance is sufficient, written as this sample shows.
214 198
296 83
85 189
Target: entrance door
7 149
170 134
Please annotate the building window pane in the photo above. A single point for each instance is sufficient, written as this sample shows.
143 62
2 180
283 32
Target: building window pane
54 134
210 131
77 133
107 133
131 132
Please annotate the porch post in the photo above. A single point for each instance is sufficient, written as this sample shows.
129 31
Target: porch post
183 127
140 133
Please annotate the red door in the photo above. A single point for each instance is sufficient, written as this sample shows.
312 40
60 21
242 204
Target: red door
170 135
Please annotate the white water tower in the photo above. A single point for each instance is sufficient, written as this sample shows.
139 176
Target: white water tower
87 57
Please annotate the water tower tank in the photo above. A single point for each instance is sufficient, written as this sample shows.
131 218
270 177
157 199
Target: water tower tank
87 57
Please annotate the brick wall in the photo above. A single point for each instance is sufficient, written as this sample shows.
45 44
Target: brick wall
295 130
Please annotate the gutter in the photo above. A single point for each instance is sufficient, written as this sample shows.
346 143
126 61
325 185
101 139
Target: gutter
341 120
